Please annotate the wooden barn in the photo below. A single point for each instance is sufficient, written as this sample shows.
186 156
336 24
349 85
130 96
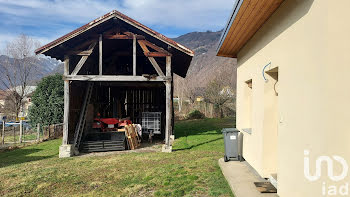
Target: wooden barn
117 77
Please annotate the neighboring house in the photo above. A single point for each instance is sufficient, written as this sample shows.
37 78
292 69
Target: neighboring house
26 102
292 94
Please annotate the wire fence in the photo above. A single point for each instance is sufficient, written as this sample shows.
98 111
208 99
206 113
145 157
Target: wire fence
21 133
53 131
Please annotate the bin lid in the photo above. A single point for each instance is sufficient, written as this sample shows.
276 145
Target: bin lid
229 130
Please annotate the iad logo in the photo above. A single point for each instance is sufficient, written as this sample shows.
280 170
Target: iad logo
332 189
329 163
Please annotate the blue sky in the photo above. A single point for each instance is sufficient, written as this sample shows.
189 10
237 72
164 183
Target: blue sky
46 20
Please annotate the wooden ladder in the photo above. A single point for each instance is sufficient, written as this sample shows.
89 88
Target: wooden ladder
82 118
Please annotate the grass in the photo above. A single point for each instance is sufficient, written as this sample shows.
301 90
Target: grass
191 170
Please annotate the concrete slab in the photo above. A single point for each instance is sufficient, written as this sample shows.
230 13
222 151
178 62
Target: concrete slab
241 179
167 149
65 151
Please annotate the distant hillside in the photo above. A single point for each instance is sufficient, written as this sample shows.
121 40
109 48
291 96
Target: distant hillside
205 64
44 66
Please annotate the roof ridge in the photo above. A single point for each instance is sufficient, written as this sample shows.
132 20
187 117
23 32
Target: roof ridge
121 16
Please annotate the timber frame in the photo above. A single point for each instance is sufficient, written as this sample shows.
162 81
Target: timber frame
117 53
144 44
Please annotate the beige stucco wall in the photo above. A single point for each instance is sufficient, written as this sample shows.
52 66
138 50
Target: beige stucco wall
309 42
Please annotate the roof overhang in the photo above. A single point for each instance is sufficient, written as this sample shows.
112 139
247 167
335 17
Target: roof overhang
107 17
181 56
246 19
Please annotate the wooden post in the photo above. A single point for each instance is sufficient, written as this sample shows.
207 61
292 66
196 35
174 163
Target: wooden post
20 130
14 134
134 55
100 55
3 132
38 132
168 110
66 102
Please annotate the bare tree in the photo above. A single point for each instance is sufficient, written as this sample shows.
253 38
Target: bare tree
219 91
19 68
191 89
179 89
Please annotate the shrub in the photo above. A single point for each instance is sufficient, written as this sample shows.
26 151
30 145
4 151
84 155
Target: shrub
195 114
47 101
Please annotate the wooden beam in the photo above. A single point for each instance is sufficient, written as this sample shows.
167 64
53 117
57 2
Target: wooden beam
168 103
81 53
83 60
156 54
80 48
134 56
79 65
66 65
66 102
3 133
156 66
113 78
100 55
123 37
138 37
151 59
117 37
153 46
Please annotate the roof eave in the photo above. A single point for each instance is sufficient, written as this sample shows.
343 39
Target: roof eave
236 7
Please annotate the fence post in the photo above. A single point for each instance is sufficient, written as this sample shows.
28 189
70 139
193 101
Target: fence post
20 131
14 134
54 130
38 134
3 132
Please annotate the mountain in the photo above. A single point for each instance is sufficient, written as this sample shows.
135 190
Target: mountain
50 65
43 66
205 65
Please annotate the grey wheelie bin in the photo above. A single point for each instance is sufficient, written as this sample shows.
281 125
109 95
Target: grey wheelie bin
231 141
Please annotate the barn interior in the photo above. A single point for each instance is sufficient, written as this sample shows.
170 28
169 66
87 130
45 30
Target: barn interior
118 83
134 101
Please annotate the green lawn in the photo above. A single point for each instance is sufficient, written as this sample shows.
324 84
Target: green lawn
191 170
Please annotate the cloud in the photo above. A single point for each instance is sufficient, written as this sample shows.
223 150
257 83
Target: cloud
195 14
8 38
49 19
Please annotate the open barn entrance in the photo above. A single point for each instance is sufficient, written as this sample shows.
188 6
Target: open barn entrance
118 84
112 106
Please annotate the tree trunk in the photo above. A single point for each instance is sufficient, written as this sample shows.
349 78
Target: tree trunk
221 112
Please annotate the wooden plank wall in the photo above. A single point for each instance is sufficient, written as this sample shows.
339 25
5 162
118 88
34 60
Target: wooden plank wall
144 100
